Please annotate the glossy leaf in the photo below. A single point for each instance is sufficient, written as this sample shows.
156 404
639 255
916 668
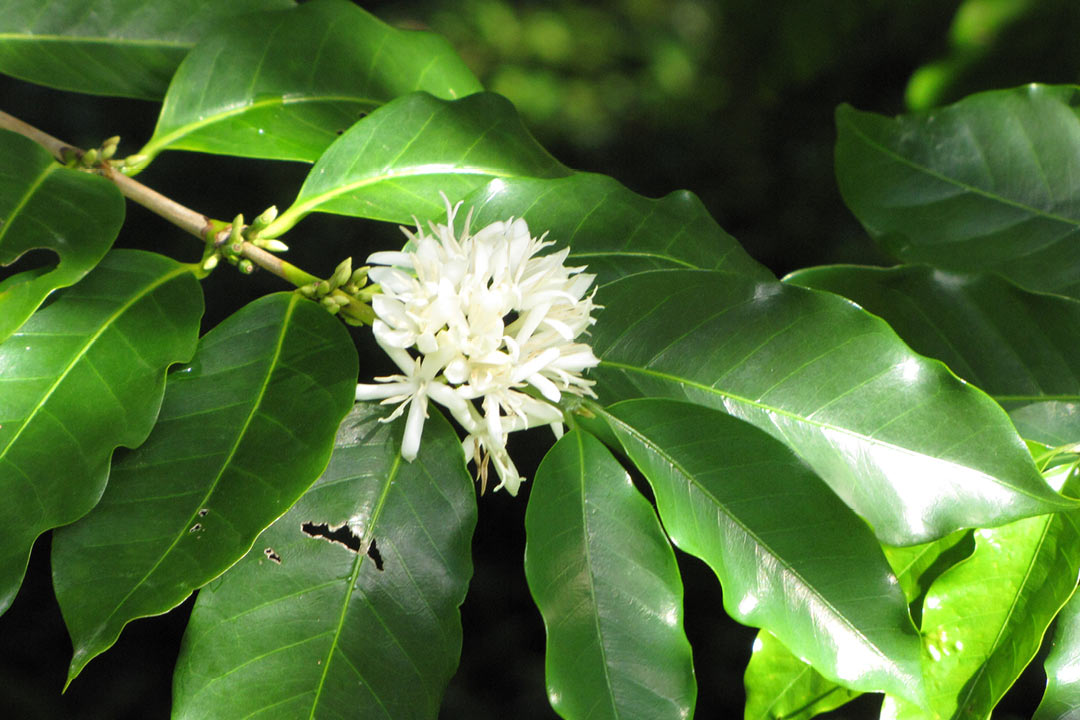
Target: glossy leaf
393 164
989 183
122 47
1022 348
791 557
780 686
613 230
604 577
911 448
244 429
1062 698
284 85
984 619
307 627
81 377
45 205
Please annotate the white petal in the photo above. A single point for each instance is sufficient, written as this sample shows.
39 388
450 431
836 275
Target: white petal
545 386
414 427
379 392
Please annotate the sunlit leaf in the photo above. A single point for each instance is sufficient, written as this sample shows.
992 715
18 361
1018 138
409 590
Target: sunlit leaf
604 577
1062 698
780 686
307 627
911 448
613 230
81 377
122 47
1022 348
45 205
984 619
989 183
393 164
284 85
733 496
244 429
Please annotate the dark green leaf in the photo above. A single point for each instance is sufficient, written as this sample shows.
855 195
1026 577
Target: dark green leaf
1062 698
306 627
780 686
284 85
605 580
122 47
392 164
45 205
990 183
244 429
81 377
1022 348
791 557
613 230
910 447
984 619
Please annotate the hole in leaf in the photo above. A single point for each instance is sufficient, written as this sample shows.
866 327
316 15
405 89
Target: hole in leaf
373 553
272 556
340 534
202 513
195 528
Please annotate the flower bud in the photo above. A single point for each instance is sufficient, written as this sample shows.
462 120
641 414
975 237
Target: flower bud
342 273
210 262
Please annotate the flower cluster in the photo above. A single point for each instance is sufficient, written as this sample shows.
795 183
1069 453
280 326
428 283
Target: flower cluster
474 322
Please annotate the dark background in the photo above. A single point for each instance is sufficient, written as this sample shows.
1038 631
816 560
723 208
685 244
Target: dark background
731 99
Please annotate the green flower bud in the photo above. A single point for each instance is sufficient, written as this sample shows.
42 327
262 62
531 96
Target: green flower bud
307 291
272 245
210 263
322 288
265 218
359 276
342 273
246 266
329 304
135 160
236 231
89 158
108 148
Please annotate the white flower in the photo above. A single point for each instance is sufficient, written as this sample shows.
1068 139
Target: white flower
473 322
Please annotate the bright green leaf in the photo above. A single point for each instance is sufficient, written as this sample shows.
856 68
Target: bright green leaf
984 619
306 627
1022 348
780 686
45 205
604 577
1062 698
284 85
244 429
911 448
393 164
81 377
613 230
122 47
791 557
989 183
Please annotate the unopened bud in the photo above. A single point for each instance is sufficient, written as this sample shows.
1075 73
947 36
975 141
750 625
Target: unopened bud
90 158
237 229
359 276
135 160
342 273
266 217
307 291
272 245
210 263
322 288
329 304
108 148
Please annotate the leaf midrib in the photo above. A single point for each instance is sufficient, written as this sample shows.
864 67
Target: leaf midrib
29 37
293 300
818 424
369 531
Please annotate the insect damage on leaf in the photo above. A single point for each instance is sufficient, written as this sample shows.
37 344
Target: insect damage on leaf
272 556
343 534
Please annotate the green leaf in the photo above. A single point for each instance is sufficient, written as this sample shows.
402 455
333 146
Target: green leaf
284 85
393 164
45 205
791 557
122 47
911 448
81 377
984 619
1022 348
613 230
780 686
244 429
989 183
604 577
1062 698
306 627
